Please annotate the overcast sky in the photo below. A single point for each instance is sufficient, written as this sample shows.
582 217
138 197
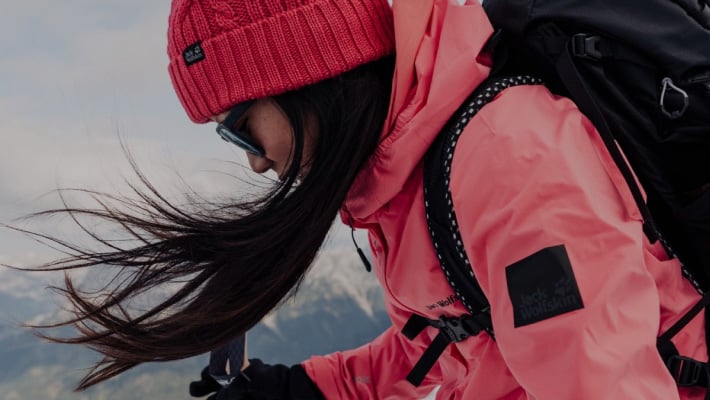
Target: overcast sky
74 75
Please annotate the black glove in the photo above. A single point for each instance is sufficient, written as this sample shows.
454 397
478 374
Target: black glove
261 382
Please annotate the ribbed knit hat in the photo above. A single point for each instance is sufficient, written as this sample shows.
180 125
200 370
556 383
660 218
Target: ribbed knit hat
223 52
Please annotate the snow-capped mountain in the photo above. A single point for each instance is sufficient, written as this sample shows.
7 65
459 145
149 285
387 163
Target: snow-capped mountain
339 306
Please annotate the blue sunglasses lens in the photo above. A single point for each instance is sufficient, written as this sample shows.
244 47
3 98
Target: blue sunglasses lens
236 137
239 139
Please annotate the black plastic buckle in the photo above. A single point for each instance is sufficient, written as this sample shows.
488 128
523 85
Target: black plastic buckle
456 329
586 46
685 371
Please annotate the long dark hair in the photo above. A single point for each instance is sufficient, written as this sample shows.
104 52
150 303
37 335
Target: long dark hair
236 260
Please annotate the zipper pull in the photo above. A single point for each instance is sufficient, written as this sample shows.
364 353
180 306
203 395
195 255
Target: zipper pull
361 253
368 267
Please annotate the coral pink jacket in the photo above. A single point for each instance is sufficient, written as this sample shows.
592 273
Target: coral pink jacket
529 172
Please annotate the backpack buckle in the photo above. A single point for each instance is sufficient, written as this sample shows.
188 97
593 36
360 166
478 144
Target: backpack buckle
685 371
457 329
586 46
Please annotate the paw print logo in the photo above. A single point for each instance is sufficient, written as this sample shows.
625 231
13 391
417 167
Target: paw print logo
563 287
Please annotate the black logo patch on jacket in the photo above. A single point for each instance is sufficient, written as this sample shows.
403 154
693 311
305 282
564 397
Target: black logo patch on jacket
542 286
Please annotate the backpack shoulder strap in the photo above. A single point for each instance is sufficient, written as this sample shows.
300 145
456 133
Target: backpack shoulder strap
440 214
445 235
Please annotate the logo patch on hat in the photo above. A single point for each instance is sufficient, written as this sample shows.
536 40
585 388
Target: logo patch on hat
193 54
542 286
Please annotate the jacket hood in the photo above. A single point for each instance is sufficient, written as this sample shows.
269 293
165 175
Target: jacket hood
438 43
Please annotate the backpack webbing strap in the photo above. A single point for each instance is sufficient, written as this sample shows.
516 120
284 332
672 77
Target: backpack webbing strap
686 371
450 330
580 93
685 319
443 228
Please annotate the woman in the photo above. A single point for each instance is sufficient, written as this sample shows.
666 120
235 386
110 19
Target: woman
309 89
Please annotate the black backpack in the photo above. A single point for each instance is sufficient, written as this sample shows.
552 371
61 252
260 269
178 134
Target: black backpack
640 71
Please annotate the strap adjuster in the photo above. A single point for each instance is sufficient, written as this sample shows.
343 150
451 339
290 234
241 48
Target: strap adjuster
450 330
456 329
586 46
686 371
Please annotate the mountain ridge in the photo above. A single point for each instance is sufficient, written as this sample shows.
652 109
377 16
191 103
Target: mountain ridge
338 306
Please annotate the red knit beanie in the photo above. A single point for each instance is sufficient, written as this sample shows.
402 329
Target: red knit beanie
223 52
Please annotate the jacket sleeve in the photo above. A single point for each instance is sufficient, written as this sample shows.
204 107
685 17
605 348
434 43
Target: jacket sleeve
376 370
556 243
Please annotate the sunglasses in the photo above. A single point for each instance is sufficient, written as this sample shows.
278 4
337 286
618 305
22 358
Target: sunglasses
227 131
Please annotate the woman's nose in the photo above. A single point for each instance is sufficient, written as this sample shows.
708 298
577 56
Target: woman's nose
258 164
